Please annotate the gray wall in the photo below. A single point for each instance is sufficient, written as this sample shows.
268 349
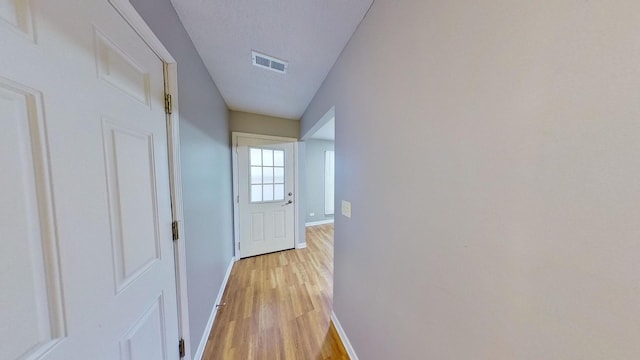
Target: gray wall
490 149
262 124
315 150
206 166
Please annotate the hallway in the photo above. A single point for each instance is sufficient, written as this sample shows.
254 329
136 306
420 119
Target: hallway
278 306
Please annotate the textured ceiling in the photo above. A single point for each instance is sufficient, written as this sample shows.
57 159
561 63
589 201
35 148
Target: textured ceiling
310 34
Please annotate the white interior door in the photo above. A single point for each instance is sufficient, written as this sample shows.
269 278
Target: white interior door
86 269
266 195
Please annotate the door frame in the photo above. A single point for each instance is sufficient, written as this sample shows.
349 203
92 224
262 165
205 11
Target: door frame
236 186
137 23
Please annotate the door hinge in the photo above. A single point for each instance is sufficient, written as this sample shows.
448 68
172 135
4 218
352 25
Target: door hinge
238 199
168 104
181 347
175 230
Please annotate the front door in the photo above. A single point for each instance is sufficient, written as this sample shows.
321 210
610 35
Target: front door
266 195
86 267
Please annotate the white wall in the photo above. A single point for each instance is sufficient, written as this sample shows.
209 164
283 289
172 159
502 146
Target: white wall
206 167
315 176
491 151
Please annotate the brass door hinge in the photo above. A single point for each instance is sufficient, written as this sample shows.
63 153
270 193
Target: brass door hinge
168 104
175 230
181 347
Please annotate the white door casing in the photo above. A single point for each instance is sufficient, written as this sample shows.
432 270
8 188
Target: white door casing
87 271
265 188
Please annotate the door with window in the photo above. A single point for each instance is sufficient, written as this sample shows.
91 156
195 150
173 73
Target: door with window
265 195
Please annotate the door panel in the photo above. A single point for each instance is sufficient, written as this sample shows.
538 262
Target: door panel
15 15
29 264
266 193
116 68
145 340
87 270
131 184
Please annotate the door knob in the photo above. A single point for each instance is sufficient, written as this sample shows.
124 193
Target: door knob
287 203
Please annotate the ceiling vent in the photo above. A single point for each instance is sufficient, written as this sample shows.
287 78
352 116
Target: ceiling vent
268 62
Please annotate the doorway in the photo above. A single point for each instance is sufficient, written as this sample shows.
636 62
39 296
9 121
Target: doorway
320 175
265 193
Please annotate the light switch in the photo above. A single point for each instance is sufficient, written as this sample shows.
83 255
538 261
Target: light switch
346 208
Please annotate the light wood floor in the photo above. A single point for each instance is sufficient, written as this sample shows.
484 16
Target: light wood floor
278 306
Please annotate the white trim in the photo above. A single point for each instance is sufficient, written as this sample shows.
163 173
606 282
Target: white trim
301 231
236 191
236 194
235 135
321 222
131 16
343 336
296 185
214 312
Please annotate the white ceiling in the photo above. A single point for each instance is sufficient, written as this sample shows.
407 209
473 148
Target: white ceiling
309 34
326 132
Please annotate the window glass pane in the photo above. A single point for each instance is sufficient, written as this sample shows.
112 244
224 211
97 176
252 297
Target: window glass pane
256 157
278 193
278 175
256 193
256 175
278 157
267 174
267 157
268 193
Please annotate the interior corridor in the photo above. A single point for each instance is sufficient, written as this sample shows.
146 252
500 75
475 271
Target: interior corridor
278 306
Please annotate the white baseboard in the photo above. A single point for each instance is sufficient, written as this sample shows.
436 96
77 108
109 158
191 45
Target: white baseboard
301 246
321 222
207 330
343 337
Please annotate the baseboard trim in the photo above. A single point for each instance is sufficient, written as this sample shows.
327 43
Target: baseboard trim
343 337
301 246
207 331
321 222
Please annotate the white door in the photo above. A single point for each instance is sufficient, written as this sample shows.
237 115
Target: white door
266 195
86 267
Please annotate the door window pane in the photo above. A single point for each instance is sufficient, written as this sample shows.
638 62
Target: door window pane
278 192
266 171
256 193
267 193
267 157
267 175
256 175
278 175
278 158
255 156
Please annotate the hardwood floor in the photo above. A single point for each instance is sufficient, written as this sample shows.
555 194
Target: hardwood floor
278 306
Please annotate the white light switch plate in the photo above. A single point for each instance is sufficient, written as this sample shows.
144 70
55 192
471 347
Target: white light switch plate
346 208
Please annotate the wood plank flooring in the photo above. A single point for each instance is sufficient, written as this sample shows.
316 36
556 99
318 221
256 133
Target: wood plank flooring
278 306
